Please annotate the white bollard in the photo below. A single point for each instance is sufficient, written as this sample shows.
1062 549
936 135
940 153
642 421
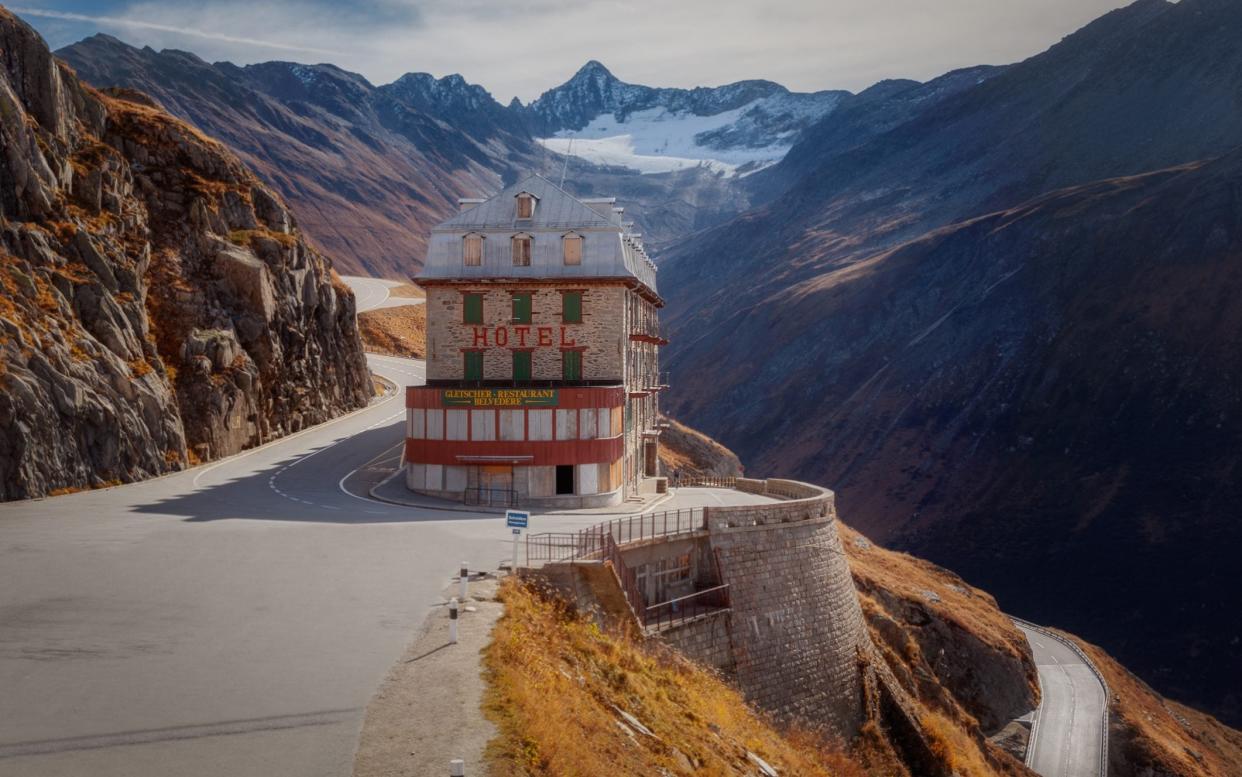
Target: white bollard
457 768
453 621
465 582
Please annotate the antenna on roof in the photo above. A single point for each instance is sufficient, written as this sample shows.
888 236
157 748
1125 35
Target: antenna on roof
565 165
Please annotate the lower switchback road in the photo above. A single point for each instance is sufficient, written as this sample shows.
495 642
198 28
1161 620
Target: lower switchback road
1067 739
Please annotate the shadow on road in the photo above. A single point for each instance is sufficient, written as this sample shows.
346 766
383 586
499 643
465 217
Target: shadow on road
301 488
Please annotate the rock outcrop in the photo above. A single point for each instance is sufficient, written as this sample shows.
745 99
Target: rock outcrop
159 305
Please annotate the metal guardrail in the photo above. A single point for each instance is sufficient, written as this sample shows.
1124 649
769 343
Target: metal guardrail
675 611
1108 693
492 497
705 482
588 543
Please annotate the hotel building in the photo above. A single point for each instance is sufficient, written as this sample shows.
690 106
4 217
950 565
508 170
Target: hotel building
542 354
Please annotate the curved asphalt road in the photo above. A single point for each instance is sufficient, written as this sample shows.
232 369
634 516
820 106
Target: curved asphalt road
1067 735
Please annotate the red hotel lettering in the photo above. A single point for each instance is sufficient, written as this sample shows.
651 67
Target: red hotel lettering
545 335
521 335
502 336
566 343
480 334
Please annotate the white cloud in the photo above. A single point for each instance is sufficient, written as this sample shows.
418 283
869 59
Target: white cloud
526 47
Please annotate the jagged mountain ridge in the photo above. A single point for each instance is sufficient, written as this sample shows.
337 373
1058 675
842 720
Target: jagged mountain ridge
159 304
368 169
1002 334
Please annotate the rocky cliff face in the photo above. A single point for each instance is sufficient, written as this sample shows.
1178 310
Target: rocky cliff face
159 305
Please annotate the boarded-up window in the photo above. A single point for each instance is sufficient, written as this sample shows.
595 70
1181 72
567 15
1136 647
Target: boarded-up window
540 424
416 423
512 424
573 249
482 424
472 251
456 425
566 424
571 307
521 250
525 206
586 423
603 424
616 422
588 478
435 425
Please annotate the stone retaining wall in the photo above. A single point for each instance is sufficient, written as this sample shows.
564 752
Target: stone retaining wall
796 628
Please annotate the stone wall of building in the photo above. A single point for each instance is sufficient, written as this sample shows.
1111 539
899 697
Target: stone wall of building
602 340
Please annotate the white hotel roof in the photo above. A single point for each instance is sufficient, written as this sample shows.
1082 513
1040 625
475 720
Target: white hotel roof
609 249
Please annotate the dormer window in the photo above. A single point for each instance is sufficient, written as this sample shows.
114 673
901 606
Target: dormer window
571 245
472 251
525 206
521 250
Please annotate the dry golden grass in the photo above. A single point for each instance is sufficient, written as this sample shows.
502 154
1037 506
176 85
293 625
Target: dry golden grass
556 681
908 577
690 452
399 331
409 290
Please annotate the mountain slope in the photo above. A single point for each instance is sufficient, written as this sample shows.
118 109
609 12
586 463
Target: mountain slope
159 305
1043 392
368 169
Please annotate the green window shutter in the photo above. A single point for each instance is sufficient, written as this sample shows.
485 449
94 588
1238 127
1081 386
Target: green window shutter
571 365
521 365
571 307
474 365
521 308
473 308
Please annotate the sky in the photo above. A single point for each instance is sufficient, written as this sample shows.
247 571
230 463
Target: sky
523 47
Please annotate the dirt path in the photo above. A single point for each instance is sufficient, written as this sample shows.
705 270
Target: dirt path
427 711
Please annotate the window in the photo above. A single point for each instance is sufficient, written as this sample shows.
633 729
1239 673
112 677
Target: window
512 424
525 206
521 308
521 365
571 365
521 250
472 251
456 425
474 365
572 247
483 425
472 308
571 307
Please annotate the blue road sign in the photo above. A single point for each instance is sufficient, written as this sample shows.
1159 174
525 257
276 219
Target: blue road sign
516 519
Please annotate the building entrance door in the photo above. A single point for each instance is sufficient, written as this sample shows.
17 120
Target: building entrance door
564 479
496 484
651 459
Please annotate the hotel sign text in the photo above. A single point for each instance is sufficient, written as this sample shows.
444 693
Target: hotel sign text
499 397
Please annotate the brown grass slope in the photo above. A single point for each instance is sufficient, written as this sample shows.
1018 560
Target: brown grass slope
397 331
692 453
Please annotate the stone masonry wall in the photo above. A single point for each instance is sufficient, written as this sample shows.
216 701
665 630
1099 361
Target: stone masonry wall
797 627
601 332
705 640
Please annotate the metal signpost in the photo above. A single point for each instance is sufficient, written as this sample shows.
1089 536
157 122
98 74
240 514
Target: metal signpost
516 520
